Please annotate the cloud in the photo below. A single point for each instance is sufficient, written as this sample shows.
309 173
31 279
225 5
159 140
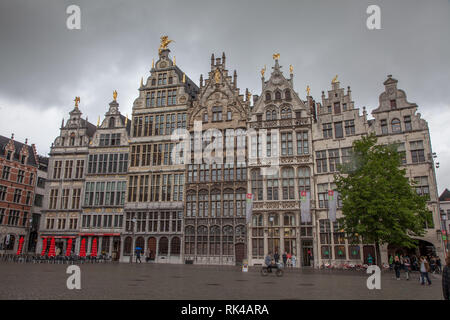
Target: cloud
44 65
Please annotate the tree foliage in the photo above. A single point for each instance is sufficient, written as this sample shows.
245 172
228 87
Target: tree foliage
379 202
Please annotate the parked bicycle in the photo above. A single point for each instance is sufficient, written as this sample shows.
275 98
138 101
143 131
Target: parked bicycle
265 270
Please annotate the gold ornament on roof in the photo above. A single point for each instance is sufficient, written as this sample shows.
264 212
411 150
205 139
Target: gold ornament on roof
153 63
77 101
164 43
126 120
334 79
263 70
174 61
98 121
217 76
276 56
184 77
307 89
115 95
291 68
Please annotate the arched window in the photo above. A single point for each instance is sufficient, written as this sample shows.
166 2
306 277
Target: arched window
202 240
215 203
189 240
112 122
140 243
228 203
286 113
227 241
257 184
203 203
240 232
287 94
288 183
175 246
277 95
396 127
163 246
268 115
127 246
268 96
214 241
274 115
304 181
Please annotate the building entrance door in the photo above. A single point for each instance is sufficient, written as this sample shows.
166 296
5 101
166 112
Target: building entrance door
239 252
307 253
152 248
116 249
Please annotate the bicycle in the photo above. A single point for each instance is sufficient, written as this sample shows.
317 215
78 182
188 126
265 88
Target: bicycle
268 269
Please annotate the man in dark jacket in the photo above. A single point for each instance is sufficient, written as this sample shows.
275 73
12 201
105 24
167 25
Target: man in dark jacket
284 259
276 257
446 279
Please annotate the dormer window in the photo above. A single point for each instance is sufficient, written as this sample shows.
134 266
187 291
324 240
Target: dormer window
23 158
205 117
337 108
396 127
217 114
153 82
112 121
287 95
268 96
9 155
278 95
393 104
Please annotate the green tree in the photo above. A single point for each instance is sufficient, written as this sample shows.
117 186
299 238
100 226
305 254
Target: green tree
379 202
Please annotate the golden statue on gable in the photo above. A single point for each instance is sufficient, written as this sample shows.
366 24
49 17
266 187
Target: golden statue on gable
164 43
115 95
334 79
276 56
77 101
217 76
263 70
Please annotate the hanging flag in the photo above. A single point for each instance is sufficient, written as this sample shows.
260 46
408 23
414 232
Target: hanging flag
305 206
332 204
249 206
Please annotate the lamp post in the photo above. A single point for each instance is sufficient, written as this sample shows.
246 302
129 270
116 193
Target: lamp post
133 222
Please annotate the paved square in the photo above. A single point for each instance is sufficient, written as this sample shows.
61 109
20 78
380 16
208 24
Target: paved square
165 281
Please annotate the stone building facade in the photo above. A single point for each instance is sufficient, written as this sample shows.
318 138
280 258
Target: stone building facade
65 184
18 168
286 120
155 198
103 199
216 184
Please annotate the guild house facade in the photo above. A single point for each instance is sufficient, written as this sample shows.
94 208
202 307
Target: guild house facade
268 190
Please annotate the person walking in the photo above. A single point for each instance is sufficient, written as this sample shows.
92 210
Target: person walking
369 259
406 265
446 279
397 266
294 260
424 269
289 259
284 259
276 257
391 262
138 256
438 264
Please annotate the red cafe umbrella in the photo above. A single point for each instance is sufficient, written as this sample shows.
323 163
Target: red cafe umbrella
20 246
51 251
94 248
44 246
83 248
69 247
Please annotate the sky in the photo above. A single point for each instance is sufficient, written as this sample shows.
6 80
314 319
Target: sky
44 65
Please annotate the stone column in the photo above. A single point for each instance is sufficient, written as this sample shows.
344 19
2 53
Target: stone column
100 245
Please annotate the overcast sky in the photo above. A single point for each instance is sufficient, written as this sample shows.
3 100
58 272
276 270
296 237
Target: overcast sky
43 65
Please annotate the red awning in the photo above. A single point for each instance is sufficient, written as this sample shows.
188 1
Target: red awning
19 250
44 246
69 247
51 251
94 248
83 248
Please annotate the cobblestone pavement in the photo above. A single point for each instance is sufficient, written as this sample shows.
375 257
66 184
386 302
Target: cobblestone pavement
164 281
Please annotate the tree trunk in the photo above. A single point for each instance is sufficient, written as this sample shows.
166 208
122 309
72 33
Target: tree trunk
378 254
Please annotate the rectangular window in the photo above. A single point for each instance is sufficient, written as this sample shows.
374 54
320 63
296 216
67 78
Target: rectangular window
57 169
68 169
321 161
53 198
349 127
417 151
76 194
402 152
5 173
407 120
20 176
338 132
384 127
422 187
333 159
322 192
79 169
286 144
302 143
346 155
337 108
17 195
327 131
3 192
64 199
